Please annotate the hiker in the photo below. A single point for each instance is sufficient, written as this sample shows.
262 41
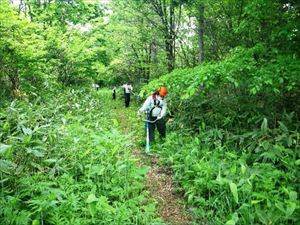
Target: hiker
127 90
156 108
114 93
96 86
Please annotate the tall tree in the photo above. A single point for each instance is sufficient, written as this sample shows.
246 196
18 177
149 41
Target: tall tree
197 9
21 48
169 12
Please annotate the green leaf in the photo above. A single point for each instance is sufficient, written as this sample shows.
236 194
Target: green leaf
264 125
27 131
233 220
230 222
35 222
283 127
243 168
231 155
291 206
6 166
220 180
3 148
37 151
91 198
293 195
105 204
234 191
190 198
253 202
141 171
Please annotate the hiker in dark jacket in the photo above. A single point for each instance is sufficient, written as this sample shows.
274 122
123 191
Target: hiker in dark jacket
114 93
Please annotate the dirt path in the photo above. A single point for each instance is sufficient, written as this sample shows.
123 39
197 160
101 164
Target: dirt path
158 182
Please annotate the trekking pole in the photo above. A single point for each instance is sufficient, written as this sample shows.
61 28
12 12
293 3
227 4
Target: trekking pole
147 147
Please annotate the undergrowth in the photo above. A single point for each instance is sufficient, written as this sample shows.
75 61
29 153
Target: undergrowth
64 160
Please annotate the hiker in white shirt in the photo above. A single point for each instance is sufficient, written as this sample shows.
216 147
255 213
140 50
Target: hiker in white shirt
156 108
127 90
96 86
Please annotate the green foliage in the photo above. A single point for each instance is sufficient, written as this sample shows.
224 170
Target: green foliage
32 55
62 162
77 55
21 48
235 153
225 185
245 84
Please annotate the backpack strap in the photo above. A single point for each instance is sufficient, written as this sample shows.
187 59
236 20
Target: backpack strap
156 104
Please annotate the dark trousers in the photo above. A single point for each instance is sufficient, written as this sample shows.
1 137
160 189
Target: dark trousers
127 99
161 128
114 96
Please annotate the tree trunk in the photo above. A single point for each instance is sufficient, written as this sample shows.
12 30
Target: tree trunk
200 20
166 11
15 83
171 38
169 52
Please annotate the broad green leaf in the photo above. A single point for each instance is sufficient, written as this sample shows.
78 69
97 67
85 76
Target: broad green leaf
35 222
233 220
280 206
231 155
6 166
27 131
293 195
264 125
291 206
3 148
255 201
105 204
243 169
283 127
190 198
38 152
234 191
220 180
91 198
230 222
142 171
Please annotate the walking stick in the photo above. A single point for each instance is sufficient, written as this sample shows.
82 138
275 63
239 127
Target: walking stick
147 148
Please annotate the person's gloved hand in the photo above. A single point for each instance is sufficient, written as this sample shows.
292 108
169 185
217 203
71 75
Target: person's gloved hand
159 117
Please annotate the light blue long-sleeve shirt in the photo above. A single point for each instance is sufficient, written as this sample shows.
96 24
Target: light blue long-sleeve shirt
149 104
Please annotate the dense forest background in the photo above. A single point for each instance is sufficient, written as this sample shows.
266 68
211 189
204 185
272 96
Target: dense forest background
232 68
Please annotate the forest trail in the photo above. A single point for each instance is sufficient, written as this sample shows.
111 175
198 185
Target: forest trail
159 183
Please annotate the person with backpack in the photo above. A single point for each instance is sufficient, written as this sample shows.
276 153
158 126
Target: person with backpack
127 90
156 108
114 90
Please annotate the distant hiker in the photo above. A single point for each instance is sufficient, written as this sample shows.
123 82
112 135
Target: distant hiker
114 93
127 90
96 86
156 108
